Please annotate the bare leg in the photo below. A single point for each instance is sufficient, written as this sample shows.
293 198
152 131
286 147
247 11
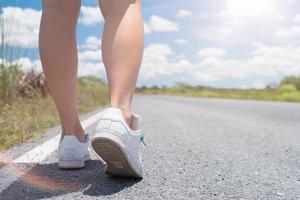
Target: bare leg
58 51
122 50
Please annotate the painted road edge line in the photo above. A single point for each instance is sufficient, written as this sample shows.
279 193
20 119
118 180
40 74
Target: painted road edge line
42 151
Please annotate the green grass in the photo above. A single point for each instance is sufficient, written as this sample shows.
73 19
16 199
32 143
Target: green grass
25 108
284 93
92 92
26 118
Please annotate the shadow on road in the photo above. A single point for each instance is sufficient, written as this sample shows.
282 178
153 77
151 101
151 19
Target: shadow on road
46 180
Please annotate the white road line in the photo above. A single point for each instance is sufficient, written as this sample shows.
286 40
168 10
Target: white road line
7 178
41 152
36 155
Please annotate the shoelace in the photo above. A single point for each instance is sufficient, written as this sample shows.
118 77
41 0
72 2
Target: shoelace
142 140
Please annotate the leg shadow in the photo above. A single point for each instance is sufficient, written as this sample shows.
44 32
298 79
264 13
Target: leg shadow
46 180
109 185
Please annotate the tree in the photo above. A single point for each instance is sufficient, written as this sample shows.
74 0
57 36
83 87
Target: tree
293 80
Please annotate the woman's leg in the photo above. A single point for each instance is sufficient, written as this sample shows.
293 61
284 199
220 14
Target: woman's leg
122 50
58 51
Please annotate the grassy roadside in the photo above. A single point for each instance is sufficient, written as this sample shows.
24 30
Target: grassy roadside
26 118
287 91
26 108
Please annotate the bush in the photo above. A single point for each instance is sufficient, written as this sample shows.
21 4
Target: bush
291 97
14 83
287 88
10 73
92 92
9 79
293 80
25 118
32 85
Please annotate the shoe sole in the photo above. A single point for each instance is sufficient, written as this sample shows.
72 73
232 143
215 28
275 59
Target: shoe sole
116 159
74 164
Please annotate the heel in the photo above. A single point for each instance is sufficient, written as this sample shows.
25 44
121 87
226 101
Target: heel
70 164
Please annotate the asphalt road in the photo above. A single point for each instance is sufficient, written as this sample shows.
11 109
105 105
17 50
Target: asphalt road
196 149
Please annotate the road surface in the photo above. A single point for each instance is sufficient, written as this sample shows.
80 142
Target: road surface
196 149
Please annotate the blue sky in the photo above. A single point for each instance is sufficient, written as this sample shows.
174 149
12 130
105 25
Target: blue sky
219 43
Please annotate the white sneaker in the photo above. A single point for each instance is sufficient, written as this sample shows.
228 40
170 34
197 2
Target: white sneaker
71 153
118 145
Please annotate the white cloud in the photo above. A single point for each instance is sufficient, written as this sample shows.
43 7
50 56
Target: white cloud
147 28
265 62
290 32
219 34
90 58
249 8
90 55
90 15
297 18
243 22
240 31
91 69
259 85
28 65
211 52
184 13
90 50
160 60
90 63
157 61
92 42
159 24
22 25
234 28
181 41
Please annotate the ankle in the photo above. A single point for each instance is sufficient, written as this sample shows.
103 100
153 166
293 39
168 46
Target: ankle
127 116
76 130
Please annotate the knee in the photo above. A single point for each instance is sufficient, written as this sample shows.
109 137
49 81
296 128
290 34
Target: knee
61 7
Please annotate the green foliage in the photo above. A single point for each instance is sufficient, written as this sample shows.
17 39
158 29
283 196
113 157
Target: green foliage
9 79
284 93
9 71
92 92
25 108
293 80
90 80
291 97
288 92
32 85
25 118
14 84
287 88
